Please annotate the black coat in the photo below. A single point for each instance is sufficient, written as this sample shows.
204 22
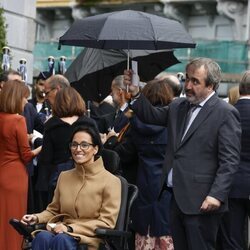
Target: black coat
148 212
241 184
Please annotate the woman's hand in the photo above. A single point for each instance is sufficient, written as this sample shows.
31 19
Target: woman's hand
30 137
103 137
29 219
57 228
37 150
111 133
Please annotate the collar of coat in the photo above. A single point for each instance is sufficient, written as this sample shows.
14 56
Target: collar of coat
90 169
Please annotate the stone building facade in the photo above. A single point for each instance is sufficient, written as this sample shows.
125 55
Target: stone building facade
220 27
20 18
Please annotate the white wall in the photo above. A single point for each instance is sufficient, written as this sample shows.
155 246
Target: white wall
21 28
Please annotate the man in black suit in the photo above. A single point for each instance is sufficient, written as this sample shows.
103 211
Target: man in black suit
234 222
202 153
116 120
38 100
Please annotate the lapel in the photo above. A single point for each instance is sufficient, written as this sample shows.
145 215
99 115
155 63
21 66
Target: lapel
181 119
120 120
203 114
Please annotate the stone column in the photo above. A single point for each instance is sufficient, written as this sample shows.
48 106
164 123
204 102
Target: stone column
236 11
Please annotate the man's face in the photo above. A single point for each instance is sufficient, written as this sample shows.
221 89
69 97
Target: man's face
50 93
195 86
116 95
11 77
40 88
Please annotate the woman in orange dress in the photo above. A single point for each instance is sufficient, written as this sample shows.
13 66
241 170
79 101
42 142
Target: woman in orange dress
15 153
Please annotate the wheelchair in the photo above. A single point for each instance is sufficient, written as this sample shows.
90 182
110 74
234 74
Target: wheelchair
112 239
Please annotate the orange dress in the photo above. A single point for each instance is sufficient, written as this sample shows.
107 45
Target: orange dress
15 153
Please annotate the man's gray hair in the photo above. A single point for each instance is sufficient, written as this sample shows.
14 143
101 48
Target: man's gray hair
244 87
212 68
118 82
58 80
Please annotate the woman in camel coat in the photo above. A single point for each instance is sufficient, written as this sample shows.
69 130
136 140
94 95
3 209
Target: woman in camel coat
86 197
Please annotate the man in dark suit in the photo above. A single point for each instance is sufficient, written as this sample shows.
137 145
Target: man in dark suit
202 153
38 100
116 120
234 221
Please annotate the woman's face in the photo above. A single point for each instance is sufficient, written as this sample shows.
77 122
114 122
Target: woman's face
82 149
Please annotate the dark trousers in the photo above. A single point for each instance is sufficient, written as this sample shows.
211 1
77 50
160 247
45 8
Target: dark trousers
233 229
46 240
193 232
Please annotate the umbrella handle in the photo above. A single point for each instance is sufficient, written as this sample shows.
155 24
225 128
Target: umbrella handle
127 88
128 60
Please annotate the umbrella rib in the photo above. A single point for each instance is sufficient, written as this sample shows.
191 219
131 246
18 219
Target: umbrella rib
102 27
155 42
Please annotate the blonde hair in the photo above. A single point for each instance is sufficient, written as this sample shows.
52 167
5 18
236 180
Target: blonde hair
233 95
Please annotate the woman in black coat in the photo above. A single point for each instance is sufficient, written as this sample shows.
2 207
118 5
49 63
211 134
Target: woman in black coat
150 215
68 113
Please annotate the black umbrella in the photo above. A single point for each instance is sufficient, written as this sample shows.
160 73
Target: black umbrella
92 72
127 29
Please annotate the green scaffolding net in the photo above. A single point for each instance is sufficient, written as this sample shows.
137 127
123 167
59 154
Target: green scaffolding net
231 55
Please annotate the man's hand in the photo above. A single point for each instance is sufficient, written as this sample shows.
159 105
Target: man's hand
134 90
210 204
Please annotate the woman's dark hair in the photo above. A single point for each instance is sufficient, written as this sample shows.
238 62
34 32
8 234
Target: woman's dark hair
94 134
68 102
158 92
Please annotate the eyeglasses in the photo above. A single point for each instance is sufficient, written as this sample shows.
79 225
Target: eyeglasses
47 93
83 145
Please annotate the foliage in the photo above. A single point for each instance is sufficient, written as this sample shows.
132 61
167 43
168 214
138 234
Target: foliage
2 31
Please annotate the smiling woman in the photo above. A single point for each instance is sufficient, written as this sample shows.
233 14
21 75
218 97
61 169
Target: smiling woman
84 154
92 201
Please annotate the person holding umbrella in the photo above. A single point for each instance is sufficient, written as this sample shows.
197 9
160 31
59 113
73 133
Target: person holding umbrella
202 153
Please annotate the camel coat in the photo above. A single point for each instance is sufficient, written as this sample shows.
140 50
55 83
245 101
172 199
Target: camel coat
85 198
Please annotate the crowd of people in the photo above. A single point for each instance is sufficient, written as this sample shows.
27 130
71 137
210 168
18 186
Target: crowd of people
186 149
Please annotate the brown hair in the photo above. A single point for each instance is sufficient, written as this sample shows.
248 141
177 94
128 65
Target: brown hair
68 102
158 92
11 96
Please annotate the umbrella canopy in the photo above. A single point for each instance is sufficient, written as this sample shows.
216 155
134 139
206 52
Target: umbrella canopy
127 29
92 72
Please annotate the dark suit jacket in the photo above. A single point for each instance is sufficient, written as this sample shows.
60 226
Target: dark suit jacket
241 184
205 161
33 120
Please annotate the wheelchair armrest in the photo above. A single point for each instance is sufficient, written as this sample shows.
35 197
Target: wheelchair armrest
21 228
25 230
105 232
